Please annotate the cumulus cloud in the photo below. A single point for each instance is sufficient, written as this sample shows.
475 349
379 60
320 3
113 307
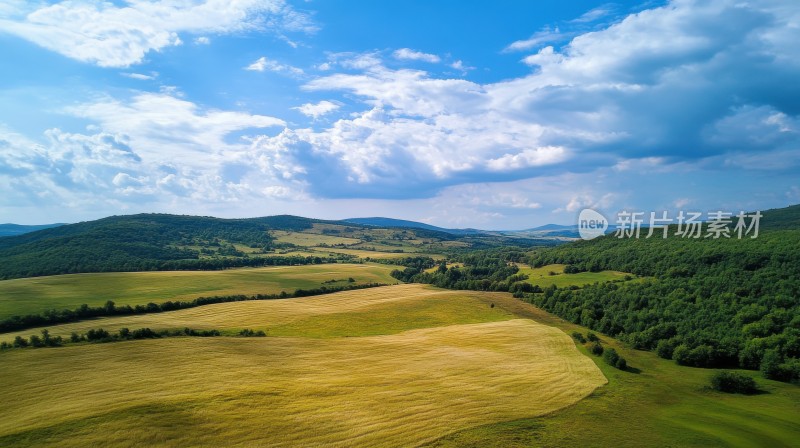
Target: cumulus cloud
682 83
149 148
112 35
409 54
317 110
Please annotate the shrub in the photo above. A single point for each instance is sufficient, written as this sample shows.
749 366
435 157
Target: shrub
665 348
36 341
596 349
578 337
97 335
733 383
621 363
592 337
610 356
20 342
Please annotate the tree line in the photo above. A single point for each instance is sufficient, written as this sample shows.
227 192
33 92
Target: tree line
100 335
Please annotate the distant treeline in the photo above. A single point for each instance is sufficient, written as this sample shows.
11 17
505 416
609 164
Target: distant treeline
203 264
124 334
55 317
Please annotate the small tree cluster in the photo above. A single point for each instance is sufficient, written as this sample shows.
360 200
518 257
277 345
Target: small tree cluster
612 358
578 337
733 383
250 333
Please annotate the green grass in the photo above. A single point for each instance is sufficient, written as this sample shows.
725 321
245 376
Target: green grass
662 405
541 276
391 390
375 254
303 239
35 295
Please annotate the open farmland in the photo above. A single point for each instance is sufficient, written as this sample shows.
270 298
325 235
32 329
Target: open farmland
374 311
34 295
391 390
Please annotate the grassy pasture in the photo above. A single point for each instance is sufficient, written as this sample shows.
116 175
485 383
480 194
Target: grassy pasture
366 312
34 295
662 404
541 276
310 239
393 390
375 254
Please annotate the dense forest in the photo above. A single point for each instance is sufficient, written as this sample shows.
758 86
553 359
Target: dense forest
136 243
702 302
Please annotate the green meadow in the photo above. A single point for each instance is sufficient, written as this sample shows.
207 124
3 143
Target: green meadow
655 403
553 274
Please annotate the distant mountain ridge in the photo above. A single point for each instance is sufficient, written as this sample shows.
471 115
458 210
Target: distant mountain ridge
9 229
392 222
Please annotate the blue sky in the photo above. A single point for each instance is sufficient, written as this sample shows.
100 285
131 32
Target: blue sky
496 115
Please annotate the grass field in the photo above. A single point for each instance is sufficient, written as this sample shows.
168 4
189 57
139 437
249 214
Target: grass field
310 239
541 276
392 390
375 254
366 312
662 405
34 295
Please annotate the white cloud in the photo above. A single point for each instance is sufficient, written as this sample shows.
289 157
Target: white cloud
141 76
546 155
409 54
317 110
459 65
544 36
119 36
595 14
152 148
202 40
262 64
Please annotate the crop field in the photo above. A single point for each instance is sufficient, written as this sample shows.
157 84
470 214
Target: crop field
472 364
374 311
542 276
34 295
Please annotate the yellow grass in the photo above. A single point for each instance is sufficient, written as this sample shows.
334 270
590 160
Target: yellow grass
373 311
394 390
34 295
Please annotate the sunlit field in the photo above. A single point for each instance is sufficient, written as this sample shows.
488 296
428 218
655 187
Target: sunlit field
34 295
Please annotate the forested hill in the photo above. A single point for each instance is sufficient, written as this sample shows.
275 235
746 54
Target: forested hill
706 302
128 243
